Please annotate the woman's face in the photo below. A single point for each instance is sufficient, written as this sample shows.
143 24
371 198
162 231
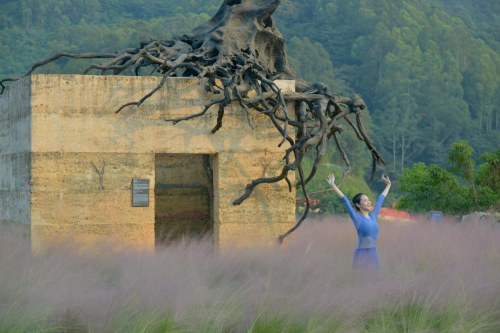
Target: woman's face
364 203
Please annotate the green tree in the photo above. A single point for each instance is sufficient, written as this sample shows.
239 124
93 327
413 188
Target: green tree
311 62
431 187
397 91
488 174
460 158
483 82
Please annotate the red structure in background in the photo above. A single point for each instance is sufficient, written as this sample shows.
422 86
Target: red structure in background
387 212
312 202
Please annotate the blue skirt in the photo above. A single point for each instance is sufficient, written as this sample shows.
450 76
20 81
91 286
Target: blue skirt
365 259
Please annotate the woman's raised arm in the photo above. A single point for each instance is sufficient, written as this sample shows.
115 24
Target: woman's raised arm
331 181
387 182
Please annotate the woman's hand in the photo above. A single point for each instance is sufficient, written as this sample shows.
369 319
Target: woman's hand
386 180
331 180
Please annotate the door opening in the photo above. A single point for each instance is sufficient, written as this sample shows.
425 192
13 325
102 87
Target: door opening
183 197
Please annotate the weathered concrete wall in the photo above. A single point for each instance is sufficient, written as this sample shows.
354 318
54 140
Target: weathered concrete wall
15 157
73 124
266 214
67 201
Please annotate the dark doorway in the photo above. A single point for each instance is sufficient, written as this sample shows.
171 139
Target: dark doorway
183 197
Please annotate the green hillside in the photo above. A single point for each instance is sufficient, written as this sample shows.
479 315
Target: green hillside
429 70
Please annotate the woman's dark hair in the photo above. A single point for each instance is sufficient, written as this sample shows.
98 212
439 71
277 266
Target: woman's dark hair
357 200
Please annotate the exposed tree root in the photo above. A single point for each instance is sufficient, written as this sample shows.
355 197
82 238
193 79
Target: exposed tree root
238 51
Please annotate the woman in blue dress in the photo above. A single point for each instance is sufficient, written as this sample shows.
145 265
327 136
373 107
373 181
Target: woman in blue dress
365 221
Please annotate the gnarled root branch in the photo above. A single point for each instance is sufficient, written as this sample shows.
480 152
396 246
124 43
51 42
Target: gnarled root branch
238 51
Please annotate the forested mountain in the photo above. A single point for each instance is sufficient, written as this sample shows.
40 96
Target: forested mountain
429 70
482 16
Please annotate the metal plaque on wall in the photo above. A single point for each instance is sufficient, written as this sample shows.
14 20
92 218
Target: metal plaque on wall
140 192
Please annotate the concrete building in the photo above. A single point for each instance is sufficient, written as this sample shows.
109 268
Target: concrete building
68 162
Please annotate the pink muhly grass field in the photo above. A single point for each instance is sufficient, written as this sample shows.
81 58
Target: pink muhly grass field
442 278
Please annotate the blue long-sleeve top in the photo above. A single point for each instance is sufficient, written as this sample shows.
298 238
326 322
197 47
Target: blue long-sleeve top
367 229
